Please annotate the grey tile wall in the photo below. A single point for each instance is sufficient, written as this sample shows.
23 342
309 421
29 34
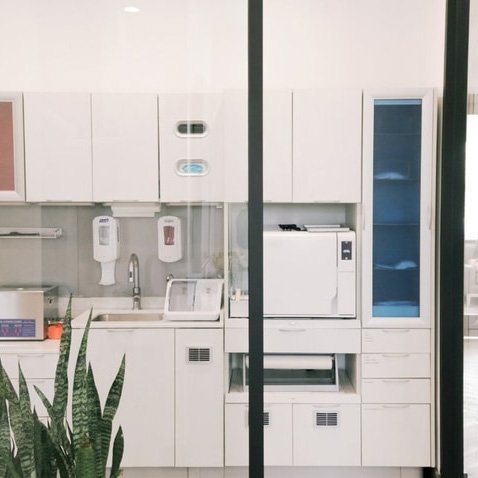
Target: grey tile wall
68 261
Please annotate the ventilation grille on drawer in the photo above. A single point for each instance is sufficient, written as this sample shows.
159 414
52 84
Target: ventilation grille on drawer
266 419
196 354
327 419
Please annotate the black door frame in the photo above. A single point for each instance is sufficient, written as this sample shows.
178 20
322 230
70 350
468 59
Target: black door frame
451 239
255 233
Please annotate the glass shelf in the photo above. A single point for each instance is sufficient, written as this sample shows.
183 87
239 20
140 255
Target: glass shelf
396 208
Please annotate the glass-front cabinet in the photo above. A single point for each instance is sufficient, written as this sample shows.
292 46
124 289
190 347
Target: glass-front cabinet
398 209
12 169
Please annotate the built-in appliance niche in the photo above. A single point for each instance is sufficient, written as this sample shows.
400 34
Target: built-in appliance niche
298 373
294 215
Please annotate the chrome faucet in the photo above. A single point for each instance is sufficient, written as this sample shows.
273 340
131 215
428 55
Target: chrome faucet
133 276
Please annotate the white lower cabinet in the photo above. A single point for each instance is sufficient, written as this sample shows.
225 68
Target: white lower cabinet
199 413
396 435
297 434
277 435
326 435
146 410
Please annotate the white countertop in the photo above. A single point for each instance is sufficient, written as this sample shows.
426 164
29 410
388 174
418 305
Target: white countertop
80 321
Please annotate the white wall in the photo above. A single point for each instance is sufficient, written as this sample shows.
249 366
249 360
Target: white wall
191 45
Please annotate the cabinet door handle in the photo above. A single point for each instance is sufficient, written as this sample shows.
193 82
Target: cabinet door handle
395 355
395 331
363 219
122 331
396 406
30 356
292 330
405 380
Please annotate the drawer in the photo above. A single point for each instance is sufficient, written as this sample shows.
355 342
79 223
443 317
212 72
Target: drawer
277 435
396 390
396 435
401 365
396 340
326 435
292 339
34 365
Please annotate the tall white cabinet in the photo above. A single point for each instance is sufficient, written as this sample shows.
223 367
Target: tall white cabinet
398 209
58 147
398 279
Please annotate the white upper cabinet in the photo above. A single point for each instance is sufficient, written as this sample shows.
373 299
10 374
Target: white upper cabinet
58 147
277 132
327 142
191 147
125 147
398 205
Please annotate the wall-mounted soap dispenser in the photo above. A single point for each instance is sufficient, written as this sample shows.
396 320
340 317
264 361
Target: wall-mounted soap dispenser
106 246
169 239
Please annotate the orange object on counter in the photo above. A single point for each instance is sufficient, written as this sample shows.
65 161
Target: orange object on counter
54 331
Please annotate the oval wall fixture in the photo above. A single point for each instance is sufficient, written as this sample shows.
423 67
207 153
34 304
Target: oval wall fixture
192 167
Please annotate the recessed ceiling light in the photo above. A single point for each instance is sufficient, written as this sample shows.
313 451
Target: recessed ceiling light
131 9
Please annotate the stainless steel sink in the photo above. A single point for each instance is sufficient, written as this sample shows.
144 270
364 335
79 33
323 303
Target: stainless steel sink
128 317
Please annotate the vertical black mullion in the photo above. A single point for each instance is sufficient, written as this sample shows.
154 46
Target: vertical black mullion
452 203
255 224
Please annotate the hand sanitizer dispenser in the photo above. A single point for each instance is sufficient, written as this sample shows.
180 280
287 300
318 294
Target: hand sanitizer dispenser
169 239
106 246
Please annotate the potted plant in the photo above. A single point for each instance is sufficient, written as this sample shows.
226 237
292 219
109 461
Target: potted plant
31 449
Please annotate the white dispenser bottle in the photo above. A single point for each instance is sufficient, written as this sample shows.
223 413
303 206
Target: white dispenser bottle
169 239
106 246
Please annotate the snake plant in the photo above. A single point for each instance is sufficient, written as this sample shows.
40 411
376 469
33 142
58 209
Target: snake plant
31 449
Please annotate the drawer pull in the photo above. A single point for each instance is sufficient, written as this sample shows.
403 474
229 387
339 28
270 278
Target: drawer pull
396 331
397 380
395 406
30 356
292 330
395 355
122 331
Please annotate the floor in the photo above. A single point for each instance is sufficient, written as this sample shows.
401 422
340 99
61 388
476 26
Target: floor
471 407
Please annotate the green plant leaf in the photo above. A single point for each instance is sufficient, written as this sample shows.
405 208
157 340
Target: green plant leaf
4 438
94 421
80 397
118 448
85 464
22 426
9 391
13 469
111 407
60 399
58 436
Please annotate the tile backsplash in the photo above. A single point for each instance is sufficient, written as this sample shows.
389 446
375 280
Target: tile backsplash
68 261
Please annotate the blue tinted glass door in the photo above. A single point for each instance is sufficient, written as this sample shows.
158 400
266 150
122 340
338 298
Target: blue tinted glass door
396 207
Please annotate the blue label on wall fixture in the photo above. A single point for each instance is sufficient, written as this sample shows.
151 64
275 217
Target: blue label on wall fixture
192 168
